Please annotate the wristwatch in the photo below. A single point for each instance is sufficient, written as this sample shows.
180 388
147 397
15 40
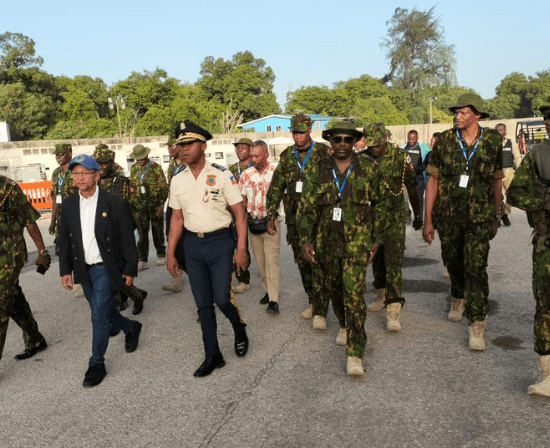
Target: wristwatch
43 252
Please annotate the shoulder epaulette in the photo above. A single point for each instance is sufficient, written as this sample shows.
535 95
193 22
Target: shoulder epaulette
221 168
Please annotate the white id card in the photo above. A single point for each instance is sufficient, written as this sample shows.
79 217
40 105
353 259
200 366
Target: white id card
336 214
142 189
463 183
58 199
299 186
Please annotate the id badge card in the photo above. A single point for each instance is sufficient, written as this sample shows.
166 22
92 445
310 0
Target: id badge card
299 186
463 183
58 199
336 214
142 189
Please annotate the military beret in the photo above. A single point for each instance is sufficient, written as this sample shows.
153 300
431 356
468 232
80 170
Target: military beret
244 141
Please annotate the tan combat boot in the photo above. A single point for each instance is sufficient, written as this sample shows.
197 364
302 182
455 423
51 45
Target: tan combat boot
457 310
378 304
174 285
476 331
542 388
142 265
308 312
241 287
393 316
355 367
161 261
319 323
342 338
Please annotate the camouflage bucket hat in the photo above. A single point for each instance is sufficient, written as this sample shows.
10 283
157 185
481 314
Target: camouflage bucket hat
342 127
244 141
62 148
103 154
140 152
470 100
375 134
300 123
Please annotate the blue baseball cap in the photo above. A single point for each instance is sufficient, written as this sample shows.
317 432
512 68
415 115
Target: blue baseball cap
85 160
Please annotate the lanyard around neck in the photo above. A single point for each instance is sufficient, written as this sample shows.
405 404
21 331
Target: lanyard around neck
300 165
141 175
337 182
459 135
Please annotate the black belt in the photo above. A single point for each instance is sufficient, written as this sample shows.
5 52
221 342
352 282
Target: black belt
95 264
208 234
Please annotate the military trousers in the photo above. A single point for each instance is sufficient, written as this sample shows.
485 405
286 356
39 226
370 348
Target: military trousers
541 291
465 250
131 292
388 264
344 282
209 267
14 304
142 218
305 267
506 181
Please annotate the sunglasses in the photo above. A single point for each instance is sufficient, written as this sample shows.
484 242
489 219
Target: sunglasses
348 139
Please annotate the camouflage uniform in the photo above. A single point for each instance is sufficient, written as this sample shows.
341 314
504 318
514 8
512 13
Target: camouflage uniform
16 213
342 248
464 215
236 169
62 185
117 184
396 174
283 187
531 193
144 206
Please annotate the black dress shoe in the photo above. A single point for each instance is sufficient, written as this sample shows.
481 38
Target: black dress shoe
123 305
31 352
209 364
94 375
272 308
264 300
241 339
132 338
113 331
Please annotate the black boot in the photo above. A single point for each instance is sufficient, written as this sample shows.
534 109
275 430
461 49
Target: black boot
241 339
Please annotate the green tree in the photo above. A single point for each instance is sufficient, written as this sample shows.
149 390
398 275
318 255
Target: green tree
245 82
416 50
310 100
377 109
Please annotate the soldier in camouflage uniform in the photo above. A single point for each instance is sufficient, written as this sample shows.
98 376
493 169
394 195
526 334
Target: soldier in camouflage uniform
287 185
16 213
530 191
242 148
465 187
113 181
342 199
396 172
62 186
148 192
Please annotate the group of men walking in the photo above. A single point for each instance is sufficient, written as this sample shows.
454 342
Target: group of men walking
345 208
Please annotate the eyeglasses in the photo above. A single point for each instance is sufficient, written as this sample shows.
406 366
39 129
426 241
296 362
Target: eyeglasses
348 139
83 173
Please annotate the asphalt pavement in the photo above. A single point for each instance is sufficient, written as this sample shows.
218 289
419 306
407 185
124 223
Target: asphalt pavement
422 387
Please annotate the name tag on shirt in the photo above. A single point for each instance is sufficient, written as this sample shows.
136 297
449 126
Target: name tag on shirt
58 199
299 186
336 214
142 189
463 183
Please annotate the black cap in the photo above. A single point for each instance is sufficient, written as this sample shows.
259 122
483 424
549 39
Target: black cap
188 131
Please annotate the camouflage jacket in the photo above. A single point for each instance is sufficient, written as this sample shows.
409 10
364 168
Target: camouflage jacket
116 184
236 169
16 213
529 192
154 183
364 210
476 202
62 185
173 169
283 184
396 174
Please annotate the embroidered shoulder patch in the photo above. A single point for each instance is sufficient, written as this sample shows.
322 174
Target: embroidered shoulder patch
233 180
211 180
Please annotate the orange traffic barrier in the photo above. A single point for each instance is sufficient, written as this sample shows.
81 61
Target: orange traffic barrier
38 194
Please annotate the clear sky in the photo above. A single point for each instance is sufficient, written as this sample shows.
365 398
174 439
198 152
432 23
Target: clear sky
304 42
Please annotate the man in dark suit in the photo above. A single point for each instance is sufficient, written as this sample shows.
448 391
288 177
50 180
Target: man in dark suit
97 246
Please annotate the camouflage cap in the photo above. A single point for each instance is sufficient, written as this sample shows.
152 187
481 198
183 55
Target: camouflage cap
300 123
342 127
103 154
545 111
62 148
140 152
472 100
375 134
244 141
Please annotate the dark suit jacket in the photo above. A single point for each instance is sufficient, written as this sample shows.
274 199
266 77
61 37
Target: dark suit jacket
114 234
